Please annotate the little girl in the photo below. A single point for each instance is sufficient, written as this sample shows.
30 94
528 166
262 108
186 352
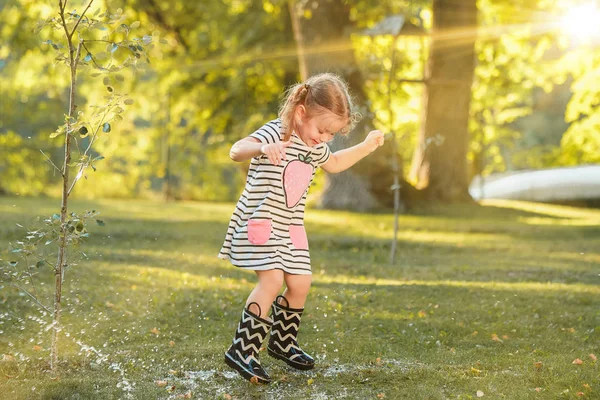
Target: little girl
266 232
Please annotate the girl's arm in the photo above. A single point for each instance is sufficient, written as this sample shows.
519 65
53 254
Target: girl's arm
250 147
344 159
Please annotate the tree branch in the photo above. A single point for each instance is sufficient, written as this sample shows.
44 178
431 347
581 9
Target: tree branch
77 143
32 296
96 40
78 54
80 18
91 55
77 177
62 18
50 161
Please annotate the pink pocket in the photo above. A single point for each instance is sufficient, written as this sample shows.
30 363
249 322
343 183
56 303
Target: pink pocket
298 236
259 231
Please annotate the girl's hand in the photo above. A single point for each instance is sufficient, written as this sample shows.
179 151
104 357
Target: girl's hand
275 151
373 140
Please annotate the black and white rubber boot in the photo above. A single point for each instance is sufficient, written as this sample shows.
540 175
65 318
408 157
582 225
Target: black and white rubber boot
283 343
242 355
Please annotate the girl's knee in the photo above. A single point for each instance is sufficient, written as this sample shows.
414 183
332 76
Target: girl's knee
298 283
272 279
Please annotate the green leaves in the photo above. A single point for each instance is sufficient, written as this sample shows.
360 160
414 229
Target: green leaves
59 131
305 158
54 45
79 227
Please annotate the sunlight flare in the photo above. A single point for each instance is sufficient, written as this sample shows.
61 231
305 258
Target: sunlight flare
582 22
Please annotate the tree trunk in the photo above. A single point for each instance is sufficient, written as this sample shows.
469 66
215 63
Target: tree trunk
59 268
440 162
323 46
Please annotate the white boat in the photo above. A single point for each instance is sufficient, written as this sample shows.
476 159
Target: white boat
547 185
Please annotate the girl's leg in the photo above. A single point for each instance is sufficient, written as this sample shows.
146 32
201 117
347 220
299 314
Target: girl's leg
252 330
268 286
297 287
287 316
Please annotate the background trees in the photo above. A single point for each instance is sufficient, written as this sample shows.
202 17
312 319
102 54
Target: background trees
219 72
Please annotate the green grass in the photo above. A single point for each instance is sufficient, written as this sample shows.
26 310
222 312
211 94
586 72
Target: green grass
477 297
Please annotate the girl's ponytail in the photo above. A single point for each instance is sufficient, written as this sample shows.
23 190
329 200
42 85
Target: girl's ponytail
294 96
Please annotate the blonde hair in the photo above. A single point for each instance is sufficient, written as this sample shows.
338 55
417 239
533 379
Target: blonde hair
319 94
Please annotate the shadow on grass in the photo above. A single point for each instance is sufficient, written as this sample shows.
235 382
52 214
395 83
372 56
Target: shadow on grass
470 211
366 321
193 247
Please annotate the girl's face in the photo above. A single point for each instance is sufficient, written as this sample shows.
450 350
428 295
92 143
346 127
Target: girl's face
319 128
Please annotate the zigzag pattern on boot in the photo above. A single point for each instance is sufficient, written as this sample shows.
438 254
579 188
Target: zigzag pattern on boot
283 327
288 347
292 314
241 346
284 338
251 337
247 359
254 324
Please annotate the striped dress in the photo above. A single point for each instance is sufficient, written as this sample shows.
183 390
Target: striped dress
266 230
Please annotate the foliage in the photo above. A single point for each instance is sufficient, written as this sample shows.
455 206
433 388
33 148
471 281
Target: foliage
222 66
581 142
510 67
219 80
521 91
32 104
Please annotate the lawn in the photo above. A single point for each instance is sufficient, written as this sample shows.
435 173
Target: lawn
492 301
